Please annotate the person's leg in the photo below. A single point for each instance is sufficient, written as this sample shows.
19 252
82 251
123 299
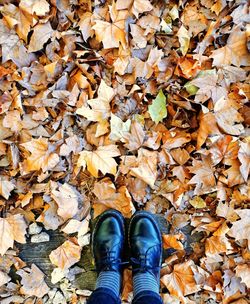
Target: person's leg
107 248
103 296
146 251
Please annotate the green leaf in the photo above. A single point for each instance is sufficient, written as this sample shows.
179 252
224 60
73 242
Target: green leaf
158 109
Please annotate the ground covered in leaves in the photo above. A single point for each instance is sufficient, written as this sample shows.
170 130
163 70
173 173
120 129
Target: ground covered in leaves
130 105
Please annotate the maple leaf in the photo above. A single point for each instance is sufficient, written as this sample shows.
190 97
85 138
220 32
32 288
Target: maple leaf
100 159
241 228
234 52
85 25
243 272
5 187
204 176
67 199
40 7
158 109
42 155
100 108
207 126
172 241
147 166
141 6
33 282
181 281
15 18
111 34
65 255
118 128
109 197
41 34
135 138
12 228
206 81
224 149
227 116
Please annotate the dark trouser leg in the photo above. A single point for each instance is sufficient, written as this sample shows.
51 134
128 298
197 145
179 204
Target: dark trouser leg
147 297
103 296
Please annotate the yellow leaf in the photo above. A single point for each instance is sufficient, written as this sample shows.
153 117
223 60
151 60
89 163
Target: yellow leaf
197 202
65 255
100 159
42 156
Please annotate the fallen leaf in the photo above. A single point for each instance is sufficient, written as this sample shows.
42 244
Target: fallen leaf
118 128
172 241
65 255
67 199
243 272
100 159
147 166
197 202
4 278
204 176
100 108
135 138
42 156
234 52
40 7
41 34
158 109
6 187
112 34
241 228
141 6
181 281
6 236
184 39
109 197
244 158
33 282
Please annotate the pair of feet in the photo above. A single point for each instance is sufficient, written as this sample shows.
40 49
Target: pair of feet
144 242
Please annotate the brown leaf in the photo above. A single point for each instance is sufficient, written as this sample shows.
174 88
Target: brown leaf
243 272
33 282
136 136
41 34
65 255
109 197
181 281
244 158
6 187
42 156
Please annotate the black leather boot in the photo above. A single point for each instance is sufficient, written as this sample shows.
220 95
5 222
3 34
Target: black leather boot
108 241
145 244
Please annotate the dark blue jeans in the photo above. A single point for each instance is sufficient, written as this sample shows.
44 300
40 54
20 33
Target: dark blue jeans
106 296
